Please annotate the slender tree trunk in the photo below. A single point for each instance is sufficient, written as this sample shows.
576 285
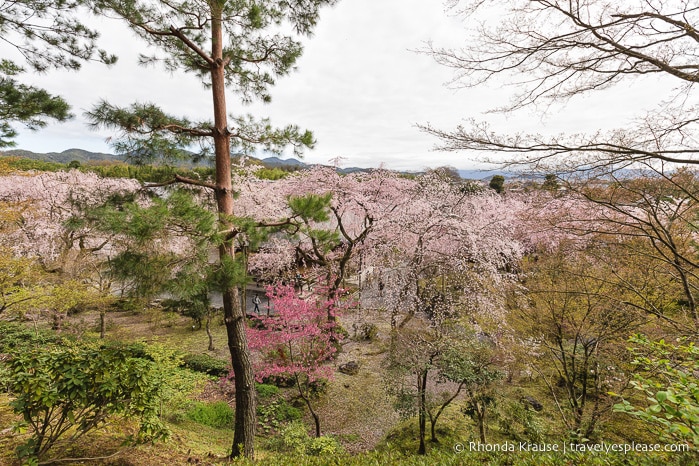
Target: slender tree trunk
234 317
245 403
433 419
359 286
57 321
480 412
316 420
103 323
306 397
687 290
208 331
422 407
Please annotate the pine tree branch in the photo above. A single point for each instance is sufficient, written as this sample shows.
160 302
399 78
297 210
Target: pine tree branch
181 36
191 131
185 180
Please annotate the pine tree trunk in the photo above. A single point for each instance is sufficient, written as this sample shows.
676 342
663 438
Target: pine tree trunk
234 317
245 405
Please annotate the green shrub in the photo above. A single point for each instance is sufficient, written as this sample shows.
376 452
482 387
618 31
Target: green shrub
667 378
14 336
273 411
134 350
519 423
178 417
26 164
294 438
271 174
286 412
266 390
206 364
366 332
323 446
146 173
497 183
65 391
272 415
218 414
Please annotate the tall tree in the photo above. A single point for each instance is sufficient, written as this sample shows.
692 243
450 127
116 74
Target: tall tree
554 50
497 183
443 239
47 34
234 45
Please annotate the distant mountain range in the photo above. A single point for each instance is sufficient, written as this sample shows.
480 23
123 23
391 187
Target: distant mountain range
84 156
277 162
66 156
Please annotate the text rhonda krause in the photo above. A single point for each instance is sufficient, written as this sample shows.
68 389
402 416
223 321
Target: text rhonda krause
580 447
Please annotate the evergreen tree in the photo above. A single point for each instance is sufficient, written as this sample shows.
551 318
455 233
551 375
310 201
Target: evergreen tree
230 44
497 183
550 182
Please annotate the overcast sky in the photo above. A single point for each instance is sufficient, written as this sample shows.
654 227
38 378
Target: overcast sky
360 87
